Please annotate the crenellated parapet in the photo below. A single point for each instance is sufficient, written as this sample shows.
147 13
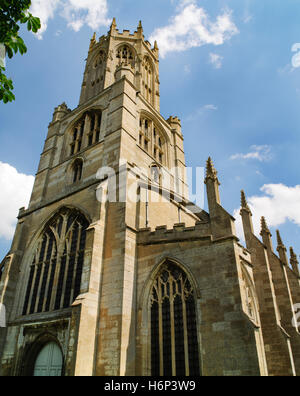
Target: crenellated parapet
179 233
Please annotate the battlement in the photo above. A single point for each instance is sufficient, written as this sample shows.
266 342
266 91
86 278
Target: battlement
179 232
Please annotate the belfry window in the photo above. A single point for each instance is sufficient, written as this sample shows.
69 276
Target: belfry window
125 55
90 124
174 341
148 80
94 128
151 140
55 273
77 138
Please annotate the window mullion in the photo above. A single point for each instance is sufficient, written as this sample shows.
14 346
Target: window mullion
185 329
161 343
60 252
37 255
49 274
43 264
75 264
32 288
172 327
68 243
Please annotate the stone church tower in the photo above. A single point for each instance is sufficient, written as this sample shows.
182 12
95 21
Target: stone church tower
112 271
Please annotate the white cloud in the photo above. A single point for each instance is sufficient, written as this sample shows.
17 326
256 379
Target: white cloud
77 13
247 18
216 60
192 27
278 205
15 193
260 153
210 107
296 57
202 110
45 10
187 69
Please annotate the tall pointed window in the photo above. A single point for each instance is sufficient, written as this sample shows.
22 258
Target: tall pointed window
77 170
249 298
148 80
55 273
89 124
97 72
152 140
174 341
94 128
77 137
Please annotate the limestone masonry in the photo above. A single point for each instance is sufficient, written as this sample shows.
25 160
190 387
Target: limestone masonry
98 284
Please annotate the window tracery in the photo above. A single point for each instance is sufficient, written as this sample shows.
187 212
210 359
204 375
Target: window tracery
152 140
148 80
58 260
249 299
125 54
98 70
89 124
174 341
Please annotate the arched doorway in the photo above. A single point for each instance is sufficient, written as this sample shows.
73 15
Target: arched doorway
49 361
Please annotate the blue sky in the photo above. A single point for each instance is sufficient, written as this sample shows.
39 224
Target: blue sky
235 85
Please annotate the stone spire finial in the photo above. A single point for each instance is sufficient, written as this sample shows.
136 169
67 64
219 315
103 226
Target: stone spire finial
264 227
93 41
266 234
294 261
280 244
211 172
140 27
281 249
244 202
155 45
212 185
113 25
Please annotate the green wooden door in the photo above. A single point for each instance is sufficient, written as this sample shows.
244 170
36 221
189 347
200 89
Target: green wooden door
49 361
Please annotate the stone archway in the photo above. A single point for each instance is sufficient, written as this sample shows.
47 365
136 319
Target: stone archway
49 362
42 356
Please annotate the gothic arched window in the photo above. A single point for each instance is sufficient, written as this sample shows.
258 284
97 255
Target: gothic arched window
90 124
77 170
97 73
174 340
55 273
148 80
152 140
125 54
249 298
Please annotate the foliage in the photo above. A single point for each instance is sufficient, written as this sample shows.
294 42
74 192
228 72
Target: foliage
14 13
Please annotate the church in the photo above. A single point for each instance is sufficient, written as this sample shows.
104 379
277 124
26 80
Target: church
114 272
